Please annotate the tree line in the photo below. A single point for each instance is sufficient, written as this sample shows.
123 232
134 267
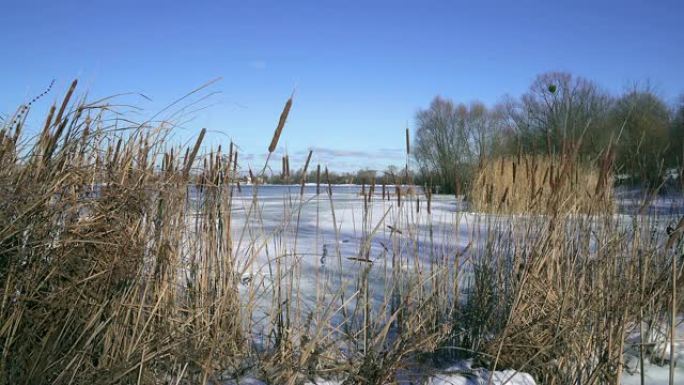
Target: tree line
390 175
559 112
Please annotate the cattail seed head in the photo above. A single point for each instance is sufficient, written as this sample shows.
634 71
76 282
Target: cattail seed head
281 124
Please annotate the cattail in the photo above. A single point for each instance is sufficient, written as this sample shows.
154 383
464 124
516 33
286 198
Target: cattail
503 198
48 121
287 166
219 167
203 180
514 170
281 124
115 157
235 164
398 196
327 179
318 179
230 156
169 164
65 102
185 157
193 154
546 176
306 166
165 162
408 143
211 161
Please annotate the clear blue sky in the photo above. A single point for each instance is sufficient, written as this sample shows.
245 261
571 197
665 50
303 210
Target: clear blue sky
361 69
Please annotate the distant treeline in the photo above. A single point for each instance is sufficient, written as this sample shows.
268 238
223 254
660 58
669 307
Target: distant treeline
389 176
559 115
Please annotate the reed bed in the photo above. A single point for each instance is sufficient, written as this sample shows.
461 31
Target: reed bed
119 265
122 261
529 184
95 234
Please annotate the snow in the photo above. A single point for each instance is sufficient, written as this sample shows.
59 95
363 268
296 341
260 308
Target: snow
245 381
657 355
460 374
325 237
508 377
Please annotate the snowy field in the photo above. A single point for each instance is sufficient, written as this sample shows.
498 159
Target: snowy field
324 245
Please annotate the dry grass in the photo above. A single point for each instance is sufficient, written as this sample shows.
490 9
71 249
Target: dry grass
121 262
532 184
94 233
556 294
118 265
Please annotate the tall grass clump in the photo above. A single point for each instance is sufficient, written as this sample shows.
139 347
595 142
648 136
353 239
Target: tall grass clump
557 294
121 262
129 259
532 184
107 276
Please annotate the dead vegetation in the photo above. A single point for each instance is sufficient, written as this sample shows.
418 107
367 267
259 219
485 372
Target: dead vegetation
543 184
120 263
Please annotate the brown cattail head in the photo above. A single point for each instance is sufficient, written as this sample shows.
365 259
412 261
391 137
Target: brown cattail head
65 102
235 165
48 121
408 143
287 166
281 124
327 180
306 166
193 154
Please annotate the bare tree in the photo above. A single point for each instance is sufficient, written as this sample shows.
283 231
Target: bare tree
451 138
645 134
559 109
676 155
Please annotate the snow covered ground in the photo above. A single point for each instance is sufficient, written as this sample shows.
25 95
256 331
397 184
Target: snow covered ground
458 375
656 355
333 240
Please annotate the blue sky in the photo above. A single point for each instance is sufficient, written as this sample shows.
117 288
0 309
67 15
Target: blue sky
359 69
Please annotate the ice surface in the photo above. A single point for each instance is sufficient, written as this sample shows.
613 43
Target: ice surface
331 238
